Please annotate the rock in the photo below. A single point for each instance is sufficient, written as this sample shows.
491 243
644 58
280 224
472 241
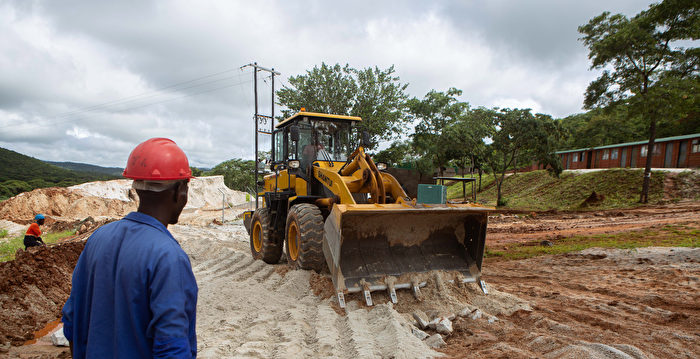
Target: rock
433 323
419 333
435 341
421 319
546 244
452 317
492 319
4 348
444 326
58 339
466 311
476 314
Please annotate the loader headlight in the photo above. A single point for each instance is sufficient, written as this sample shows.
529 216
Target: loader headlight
293 164
381 166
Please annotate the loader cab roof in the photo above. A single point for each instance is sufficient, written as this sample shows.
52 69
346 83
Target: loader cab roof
315 115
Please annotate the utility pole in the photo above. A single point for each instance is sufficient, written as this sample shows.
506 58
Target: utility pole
262 119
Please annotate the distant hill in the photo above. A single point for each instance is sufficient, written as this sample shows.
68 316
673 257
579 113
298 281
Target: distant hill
20 173
84 167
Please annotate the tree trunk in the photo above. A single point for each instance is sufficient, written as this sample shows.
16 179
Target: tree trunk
464 184
644 198
499 184
498 197
479 180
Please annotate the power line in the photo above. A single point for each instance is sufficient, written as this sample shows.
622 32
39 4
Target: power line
143 96
143 105
149 93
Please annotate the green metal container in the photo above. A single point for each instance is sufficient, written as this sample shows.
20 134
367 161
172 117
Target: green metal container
432 194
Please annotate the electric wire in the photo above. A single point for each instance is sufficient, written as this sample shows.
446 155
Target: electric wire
139 106
149 93
141 97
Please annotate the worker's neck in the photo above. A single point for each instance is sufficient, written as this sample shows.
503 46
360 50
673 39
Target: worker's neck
158 213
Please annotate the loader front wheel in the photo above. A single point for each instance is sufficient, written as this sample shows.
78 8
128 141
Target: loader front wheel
304 237
264 240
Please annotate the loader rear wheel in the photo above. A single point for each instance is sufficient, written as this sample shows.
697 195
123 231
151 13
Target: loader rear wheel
305 237
265 242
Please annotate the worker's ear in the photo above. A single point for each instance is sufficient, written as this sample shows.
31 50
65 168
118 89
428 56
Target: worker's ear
180 193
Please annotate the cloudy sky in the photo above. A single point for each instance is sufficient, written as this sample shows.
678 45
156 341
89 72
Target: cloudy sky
85 81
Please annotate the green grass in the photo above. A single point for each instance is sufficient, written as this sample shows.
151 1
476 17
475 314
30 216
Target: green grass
666 236
8 249
538 190
3 233
455 191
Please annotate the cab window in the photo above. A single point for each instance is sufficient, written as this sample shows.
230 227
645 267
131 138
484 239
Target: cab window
279 145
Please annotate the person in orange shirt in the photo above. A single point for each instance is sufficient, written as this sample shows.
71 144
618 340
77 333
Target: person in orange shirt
33 236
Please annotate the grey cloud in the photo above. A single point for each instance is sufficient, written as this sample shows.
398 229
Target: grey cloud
540 31
101 51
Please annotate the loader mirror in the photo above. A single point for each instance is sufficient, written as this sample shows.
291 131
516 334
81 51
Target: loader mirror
365 139
294 133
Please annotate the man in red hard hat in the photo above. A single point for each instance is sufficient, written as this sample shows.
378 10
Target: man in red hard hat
134 294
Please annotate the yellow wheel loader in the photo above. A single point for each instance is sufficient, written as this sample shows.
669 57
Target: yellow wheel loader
329 205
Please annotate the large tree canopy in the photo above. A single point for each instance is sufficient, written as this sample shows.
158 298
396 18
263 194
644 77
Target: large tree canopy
238 174
645 64
435 114
374 94
521 137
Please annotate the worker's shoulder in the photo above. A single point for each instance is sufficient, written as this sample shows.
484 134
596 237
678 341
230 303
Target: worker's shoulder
128 228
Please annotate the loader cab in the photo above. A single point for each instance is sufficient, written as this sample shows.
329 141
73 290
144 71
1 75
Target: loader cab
311 138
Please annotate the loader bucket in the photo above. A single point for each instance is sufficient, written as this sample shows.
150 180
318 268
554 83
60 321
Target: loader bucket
387 246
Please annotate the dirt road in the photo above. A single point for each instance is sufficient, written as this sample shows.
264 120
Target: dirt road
511 227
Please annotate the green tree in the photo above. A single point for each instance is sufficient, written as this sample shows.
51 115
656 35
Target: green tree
640 63
13 187
374 94
467 136
196 171
521 135
238 174
435 114
397 153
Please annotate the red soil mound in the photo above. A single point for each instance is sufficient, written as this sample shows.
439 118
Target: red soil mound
34 287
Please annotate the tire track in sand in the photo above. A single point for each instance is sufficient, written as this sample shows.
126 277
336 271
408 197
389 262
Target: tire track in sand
247 309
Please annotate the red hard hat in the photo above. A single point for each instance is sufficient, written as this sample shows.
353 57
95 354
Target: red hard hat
157 159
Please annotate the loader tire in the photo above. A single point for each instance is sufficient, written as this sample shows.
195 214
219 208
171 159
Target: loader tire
265 242
304 237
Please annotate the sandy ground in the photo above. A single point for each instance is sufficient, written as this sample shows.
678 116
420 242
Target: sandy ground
247 308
